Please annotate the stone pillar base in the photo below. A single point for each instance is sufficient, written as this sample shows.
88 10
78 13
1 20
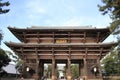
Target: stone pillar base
53 78
68 77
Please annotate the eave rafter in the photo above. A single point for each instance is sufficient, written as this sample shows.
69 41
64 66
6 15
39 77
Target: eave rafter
86 50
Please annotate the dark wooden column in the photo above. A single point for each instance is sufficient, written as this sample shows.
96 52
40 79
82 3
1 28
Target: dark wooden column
68 65
23 67
84 37
99 68
98 63
53 37
40 69
69 37
79 69
98 37
38 37
53 69
36 76
68 69
85 68
53 65
24 35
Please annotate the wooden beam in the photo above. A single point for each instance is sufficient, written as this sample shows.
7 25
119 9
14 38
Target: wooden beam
98 37
69 37
84 37
24 36
53 37
38 37
69 52
86 52
53 52
101 50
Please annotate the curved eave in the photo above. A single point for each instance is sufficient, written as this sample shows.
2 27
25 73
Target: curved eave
12 44
59 28
101 49
104 31
14 31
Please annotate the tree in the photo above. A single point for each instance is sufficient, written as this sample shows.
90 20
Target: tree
112 8
2 4
74 68
3 11
49 71
0 36
112 63
74 71
4 59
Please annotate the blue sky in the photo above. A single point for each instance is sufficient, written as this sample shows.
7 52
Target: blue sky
27 13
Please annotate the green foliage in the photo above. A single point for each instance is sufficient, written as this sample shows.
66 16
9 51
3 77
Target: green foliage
75 71
1 36
74 68
64 71
19 65
49 72
2 4
4 59
112 7
112 63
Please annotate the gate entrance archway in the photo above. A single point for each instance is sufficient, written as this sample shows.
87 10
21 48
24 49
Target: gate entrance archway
47 68
81 45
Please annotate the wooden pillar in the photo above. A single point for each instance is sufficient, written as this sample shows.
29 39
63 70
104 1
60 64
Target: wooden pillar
23 67
53 69
85 69
53 37
99 68
24 35
40 69
84 37
36 76
68 69
69 37
80 70
98 37
38 37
